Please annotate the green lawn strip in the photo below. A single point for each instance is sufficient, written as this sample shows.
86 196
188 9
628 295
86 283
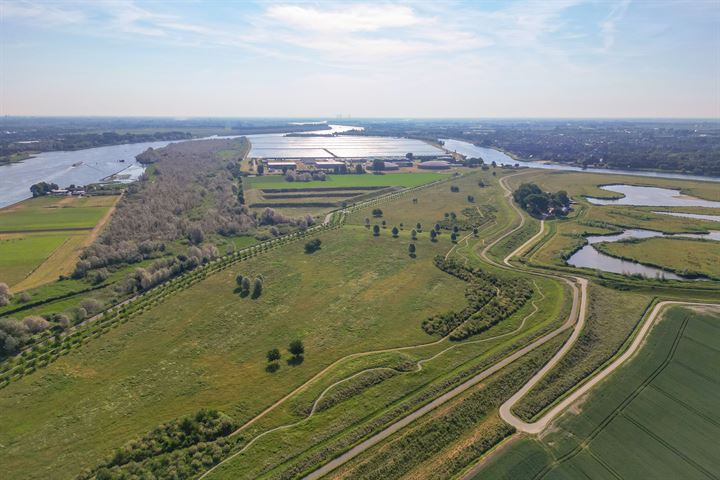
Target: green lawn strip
366 180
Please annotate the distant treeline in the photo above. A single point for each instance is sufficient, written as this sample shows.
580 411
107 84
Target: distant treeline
688 146
84 140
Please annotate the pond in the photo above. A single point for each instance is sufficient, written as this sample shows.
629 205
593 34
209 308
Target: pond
589 257
651 197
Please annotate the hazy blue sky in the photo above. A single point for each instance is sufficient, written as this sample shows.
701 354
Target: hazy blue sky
559 58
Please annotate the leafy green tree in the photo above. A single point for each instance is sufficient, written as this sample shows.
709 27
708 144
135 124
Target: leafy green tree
384 223
419 227
433 235
453 237
367 223
395 232
245 286
437 227
376 230
411 250
377 212
475 231
313 245
258 287
239 280
273 355
296 348
413 234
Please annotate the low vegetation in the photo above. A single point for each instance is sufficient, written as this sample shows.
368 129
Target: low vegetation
491 300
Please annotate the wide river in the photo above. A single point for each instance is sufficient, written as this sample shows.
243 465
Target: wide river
95 164
489 155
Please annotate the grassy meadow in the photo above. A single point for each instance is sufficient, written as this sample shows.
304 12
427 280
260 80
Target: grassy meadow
680 255
205 347
652 405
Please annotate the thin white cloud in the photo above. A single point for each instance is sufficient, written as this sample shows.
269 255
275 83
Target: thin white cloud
608 27
346 19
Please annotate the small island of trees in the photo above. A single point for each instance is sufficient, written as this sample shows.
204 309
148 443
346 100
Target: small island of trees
542 204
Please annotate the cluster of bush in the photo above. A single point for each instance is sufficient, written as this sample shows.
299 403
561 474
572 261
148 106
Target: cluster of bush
179 449
100 256
490 301
243 285
305 176
538 203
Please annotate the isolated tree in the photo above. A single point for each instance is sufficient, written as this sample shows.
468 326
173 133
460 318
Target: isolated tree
419 227
415 200
296 348
395 232
260 169
258 287
376 230
273 355
245 286
453 237
471 199
401 225
437 227
367 223
433 235
456 229
239 280
413 234
475 231
377 212
384 223
411 249
313 246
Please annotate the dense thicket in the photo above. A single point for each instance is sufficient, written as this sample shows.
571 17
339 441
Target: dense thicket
179 449
538 203
491 299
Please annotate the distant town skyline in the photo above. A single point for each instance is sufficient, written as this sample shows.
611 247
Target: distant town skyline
455 59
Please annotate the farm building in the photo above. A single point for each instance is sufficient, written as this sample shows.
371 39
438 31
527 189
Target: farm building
330 165
434 165
282 165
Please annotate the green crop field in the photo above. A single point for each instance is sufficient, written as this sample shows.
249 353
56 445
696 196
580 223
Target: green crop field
656 417
52 213
206 347
366 180
21 253
681 255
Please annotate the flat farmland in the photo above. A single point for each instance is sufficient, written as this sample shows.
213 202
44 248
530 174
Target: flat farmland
656 417
41 238
205 347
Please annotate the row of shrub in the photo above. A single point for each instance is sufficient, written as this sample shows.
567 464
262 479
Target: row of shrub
178 449
490 300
